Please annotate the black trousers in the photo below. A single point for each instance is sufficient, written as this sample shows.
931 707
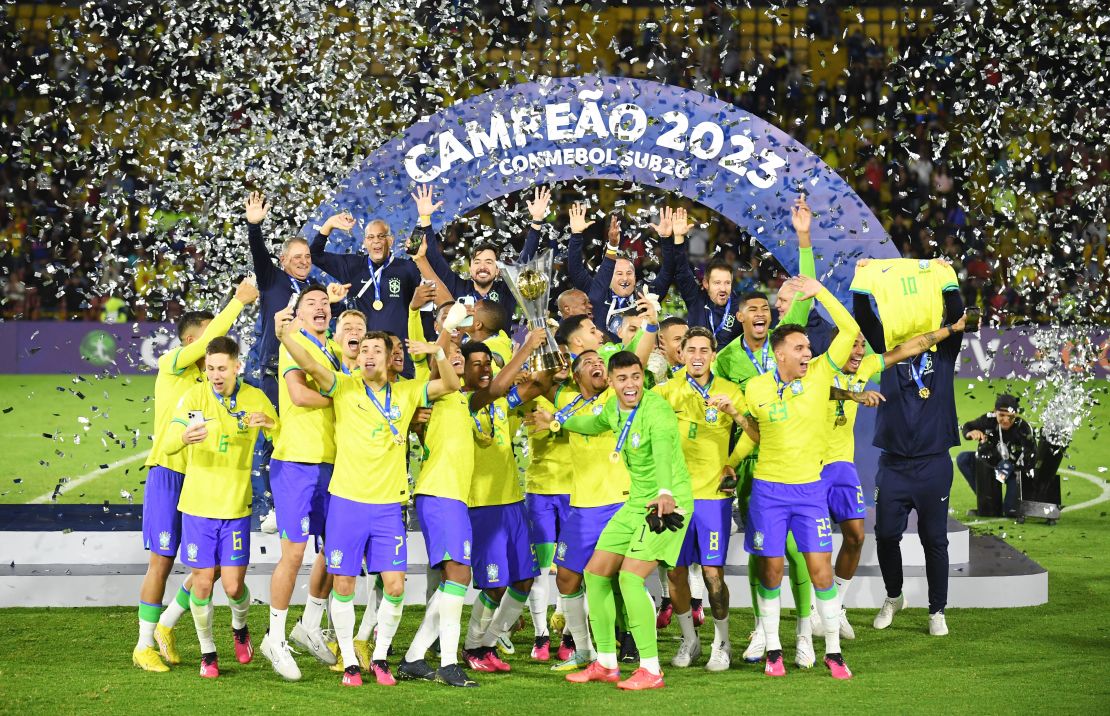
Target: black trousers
914 483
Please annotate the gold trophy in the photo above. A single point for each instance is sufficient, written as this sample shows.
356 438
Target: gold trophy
531 286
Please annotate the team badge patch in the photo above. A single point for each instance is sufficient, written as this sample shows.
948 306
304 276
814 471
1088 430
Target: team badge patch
729 320
304 525
466 549
757 540
499 412
923 264
857 388
711 415
164 540
192 550
598 408
395 412
394 286
492 572
561 552
335 559
635 440
494 296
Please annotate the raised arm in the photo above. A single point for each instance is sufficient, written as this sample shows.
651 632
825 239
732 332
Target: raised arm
868 322
448 381
283 326
919 344
245 294
342 267
580 276
537 208
646 337
426 206
603 277
801 217
256 211
846 326
504 380
427 273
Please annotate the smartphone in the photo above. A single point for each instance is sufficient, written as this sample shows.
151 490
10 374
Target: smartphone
196 417
412 245
293 300
430 305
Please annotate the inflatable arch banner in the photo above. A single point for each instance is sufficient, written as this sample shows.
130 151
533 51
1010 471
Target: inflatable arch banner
616 129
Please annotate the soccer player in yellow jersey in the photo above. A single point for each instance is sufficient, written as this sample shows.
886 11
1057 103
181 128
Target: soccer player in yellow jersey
179 370
300 471
790 404
216 424
503 559
707 407
364 519
845 494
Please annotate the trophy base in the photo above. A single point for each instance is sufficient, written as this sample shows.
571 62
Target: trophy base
546 361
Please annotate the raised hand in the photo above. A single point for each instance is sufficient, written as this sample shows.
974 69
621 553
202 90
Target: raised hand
806 286
337 291
648 303
663 228
613 234
257 208
680 223
343 221
535 339
425 206
578 223
424 292
420 348
800 215
283 322
539 205
247 291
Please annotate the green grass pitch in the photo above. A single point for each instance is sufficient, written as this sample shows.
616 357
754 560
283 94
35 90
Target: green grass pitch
1051 658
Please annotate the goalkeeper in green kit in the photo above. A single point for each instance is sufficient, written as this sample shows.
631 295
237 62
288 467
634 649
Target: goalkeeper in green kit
648 530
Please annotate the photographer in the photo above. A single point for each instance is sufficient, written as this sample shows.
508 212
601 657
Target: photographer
1006 443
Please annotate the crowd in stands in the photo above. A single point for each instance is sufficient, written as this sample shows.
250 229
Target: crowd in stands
56 264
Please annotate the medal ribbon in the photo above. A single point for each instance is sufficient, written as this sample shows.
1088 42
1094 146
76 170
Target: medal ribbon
384 410
230 405
563 414
724 317
624 430
781 386
916 371
839 403
492 425
761 366
335 363
375 278
703 392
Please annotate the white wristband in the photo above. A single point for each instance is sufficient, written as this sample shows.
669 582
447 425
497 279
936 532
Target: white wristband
440 355
664 491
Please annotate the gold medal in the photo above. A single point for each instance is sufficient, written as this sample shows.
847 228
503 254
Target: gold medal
555 426
923 393
841 420
378 305
614 457
398 439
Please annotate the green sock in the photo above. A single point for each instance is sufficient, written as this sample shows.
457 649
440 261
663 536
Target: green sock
545 554
603 612
621 612
641 614
753 582
799 577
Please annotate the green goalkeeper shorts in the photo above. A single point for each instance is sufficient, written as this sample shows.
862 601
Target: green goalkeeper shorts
627 533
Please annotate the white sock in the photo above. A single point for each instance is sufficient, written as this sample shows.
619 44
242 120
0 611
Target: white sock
202 618
686 624
696 582
664 583
537 604
720 631
769 610
343 619
829 609
480 615
574 607
314 612
608 661
652 665
146 633
370 616
804 627
389 618
175 609
512 604
241 609
559 604
427 632
277 623
842 585
450 626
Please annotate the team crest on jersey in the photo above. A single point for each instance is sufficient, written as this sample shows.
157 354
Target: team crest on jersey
395 412
499 412
304 525
598 408
494 296
923 264
164 540
394 287
192 550
635 440
857 388
335 559
492 572
729 320
561 552
757 540
711 415
466 549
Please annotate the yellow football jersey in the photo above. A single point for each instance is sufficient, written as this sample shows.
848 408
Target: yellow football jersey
307 434
842 441
704 432
449 465
369 463
908 293
495 480
550 471
218 471
177 373
595 480
416 332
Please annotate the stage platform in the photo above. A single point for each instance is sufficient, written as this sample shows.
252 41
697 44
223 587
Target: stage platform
94 565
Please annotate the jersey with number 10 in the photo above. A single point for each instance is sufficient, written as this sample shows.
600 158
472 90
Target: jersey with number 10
908 293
